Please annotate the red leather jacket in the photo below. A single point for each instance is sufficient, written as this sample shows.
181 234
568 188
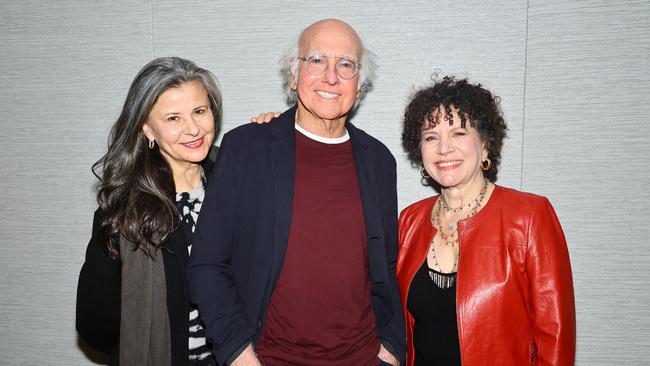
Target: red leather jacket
514 290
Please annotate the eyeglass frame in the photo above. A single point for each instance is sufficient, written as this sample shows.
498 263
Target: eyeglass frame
326 58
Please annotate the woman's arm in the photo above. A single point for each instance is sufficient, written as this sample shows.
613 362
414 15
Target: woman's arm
98 296
549 273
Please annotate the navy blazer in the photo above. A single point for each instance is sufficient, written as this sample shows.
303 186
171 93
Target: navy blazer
243 230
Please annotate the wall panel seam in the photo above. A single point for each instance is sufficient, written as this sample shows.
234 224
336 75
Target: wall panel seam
525 100
151 32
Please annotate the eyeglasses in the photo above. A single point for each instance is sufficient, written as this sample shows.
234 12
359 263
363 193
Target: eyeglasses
317 64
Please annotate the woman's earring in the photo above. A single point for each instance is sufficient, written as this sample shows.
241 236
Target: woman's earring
424 174
486 164
151 143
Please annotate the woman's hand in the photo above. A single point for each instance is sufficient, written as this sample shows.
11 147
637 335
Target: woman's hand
264 117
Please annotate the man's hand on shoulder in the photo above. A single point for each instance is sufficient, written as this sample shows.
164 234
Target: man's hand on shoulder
265 117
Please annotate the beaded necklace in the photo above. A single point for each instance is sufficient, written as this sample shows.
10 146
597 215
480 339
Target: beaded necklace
449 231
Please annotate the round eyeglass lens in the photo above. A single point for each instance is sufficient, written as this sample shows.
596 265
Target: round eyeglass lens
317 64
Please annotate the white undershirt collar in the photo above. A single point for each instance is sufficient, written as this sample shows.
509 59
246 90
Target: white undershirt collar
325 140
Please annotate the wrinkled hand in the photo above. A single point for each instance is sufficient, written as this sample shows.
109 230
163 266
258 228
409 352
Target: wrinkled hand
264 117
387 357
247 358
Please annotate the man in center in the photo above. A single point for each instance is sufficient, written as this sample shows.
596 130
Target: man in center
295 250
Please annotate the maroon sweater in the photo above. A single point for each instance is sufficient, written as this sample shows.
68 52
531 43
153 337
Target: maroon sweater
320 312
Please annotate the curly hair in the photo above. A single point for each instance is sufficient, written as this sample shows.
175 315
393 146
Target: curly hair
136 188
474 104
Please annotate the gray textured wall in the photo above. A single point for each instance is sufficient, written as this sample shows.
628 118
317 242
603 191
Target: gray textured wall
574 78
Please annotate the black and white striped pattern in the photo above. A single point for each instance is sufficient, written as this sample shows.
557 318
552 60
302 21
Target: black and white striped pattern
189 205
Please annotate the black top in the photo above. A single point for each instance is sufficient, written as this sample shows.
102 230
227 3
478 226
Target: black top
435 333
98 293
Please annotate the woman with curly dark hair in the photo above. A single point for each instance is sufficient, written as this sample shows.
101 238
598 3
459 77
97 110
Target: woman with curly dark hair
132 298
483 270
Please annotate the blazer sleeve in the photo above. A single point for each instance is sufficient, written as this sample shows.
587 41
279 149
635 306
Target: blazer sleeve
393 333
549 275
98 296
210 275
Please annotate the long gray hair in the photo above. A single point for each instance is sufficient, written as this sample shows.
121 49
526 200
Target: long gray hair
136 189
289 69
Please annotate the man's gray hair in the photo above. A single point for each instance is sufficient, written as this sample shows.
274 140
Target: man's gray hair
290 64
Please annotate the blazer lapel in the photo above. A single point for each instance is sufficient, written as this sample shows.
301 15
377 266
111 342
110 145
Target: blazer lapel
365 166
283 160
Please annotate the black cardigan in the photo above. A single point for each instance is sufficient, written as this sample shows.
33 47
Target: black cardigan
98 292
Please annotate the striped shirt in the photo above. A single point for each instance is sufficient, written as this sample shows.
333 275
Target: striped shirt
189 205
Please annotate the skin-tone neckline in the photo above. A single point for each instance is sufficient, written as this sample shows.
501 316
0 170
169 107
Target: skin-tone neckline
458 196
188 177
321 127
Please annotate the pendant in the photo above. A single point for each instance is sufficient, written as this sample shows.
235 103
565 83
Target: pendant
452 226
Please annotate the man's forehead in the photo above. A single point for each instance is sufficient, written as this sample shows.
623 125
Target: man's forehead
331 48
331 38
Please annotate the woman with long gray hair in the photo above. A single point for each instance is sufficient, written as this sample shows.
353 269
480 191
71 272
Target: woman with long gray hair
132 300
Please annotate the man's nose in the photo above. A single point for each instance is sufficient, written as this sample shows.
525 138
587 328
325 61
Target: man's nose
330 76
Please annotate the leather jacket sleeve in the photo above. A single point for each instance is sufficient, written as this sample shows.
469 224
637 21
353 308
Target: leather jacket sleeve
551 288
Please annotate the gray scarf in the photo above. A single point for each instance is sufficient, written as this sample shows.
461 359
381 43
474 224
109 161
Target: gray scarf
144 323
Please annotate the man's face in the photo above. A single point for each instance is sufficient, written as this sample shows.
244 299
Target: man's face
327 96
